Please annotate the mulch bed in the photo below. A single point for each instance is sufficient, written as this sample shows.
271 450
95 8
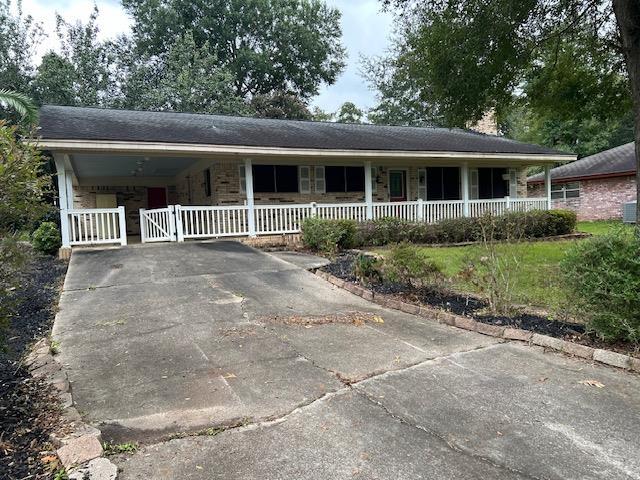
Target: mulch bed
476 308
29 409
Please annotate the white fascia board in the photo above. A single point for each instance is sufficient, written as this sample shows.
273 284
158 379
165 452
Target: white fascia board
158 148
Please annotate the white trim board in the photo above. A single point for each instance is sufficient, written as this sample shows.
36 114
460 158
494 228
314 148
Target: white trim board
203 149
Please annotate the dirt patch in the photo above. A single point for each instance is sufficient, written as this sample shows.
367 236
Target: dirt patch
477 308
354 318
29 408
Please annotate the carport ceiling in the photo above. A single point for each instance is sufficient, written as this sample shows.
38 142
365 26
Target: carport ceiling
127 166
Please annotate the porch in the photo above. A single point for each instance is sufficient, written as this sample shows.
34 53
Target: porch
109 198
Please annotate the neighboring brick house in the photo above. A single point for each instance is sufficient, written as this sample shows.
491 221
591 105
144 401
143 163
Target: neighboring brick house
594 187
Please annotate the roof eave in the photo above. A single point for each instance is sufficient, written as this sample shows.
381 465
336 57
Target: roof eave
596 176
102 146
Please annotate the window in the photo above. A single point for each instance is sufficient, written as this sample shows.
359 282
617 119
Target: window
275 178
493 183
565 191
344 179
304 176
207 182
439 183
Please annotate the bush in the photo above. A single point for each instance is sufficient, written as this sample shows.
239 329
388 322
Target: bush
367 269
409 265
46 238
328 235
603 277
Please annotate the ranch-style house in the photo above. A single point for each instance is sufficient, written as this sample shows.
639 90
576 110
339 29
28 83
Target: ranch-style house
162 176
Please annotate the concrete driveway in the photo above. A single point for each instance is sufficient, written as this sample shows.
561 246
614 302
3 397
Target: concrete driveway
167 341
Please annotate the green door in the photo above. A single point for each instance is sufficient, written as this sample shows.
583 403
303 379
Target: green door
397 185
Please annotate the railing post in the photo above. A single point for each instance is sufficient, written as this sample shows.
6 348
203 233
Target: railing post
420 212
465 189
251 213
143 231
368 190
179 227
314 209
64 227
507 200
547 185
123 226
172 222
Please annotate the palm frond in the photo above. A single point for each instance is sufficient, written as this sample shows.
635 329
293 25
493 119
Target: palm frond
20 103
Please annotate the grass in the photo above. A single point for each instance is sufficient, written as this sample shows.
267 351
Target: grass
537 280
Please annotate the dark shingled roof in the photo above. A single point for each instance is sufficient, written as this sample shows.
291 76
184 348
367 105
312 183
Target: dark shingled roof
618 160
75 123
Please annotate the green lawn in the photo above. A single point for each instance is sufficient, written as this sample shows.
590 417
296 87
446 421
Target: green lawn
537 279
601 227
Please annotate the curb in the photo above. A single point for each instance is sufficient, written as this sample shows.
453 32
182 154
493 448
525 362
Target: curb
607 357
80 451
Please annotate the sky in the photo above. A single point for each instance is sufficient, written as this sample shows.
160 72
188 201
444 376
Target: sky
365 30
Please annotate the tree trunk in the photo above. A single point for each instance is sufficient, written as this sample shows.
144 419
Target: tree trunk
628 17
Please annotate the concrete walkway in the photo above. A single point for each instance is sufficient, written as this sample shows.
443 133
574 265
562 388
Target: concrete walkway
164 341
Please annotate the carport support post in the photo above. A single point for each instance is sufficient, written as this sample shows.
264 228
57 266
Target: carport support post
63 200
368 190
547 185
464 171
251 214
123 225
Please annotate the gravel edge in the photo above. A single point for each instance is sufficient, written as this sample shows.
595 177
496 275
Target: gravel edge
607 357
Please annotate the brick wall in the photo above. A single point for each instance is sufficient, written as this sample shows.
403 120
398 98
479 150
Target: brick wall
600 199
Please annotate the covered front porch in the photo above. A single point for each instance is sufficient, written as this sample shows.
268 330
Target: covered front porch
113 196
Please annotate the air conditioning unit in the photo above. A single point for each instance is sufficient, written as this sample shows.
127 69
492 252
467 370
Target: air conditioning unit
629 212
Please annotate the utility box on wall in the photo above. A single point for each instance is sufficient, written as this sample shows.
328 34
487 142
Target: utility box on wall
629 212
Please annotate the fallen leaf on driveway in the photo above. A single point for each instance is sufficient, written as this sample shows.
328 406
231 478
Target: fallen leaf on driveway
543 379
593 383
377 319
229 375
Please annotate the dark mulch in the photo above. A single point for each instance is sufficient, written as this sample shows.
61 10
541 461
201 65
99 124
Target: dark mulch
468 305
29 410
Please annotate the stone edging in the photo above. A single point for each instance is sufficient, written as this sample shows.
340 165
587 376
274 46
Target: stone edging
607 357
80 451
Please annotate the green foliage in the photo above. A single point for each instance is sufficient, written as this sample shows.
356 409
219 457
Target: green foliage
367 269
268 45
13 256
46 239
349 113
116 448
20 103
328 236
23 185
280 104
187 78
511 226
409 265
603 274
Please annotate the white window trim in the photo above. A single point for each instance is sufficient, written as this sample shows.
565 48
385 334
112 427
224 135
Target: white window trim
513 183
422 189
562 188
320 183
304 178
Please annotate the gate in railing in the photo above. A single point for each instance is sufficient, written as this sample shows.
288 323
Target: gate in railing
158 225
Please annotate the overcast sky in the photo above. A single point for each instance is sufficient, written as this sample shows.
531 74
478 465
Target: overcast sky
365 32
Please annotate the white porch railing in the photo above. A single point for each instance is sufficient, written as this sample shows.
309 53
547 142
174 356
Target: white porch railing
95 226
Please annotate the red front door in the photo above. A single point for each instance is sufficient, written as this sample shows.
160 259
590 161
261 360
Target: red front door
156 197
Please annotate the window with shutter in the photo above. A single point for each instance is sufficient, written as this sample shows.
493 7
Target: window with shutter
513 183
422 183
474 192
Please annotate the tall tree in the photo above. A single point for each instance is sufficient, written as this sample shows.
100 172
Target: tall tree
268 45
80 75
186 78
349 113
280 104
467 56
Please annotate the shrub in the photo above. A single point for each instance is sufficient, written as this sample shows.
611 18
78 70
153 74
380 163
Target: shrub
46 238
603 276
367 269
409 265
328 235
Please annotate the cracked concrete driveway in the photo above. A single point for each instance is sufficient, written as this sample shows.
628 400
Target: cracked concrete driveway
171 340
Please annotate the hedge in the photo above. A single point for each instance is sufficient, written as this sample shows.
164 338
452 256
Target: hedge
331 235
